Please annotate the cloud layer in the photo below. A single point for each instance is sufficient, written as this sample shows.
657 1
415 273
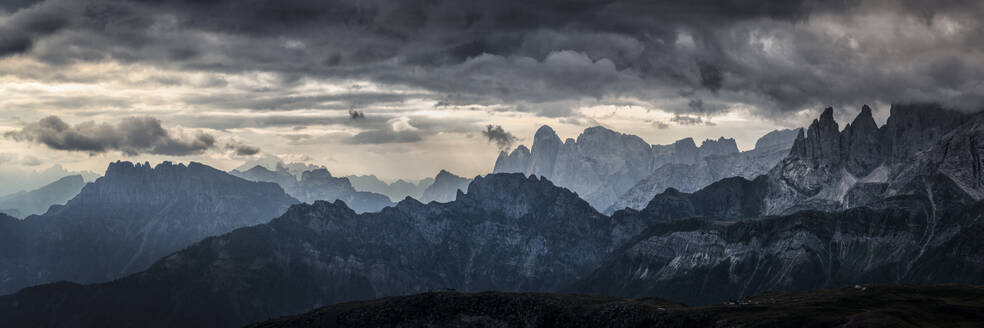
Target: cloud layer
697 57
131 136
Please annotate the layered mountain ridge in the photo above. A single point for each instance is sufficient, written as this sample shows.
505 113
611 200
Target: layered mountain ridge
318 184
25 203
129 218
612 170
864 205
503 235
445 188
396 190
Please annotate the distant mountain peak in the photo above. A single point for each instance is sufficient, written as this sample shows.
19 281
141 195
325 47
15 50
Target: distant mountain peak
445 187
545 130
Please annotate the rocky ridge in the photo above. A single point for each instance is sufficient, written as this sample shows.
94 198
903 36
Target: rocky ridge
830 169
396 190
445 188
692 176
601 165
25 203
503 234
318 184
130 217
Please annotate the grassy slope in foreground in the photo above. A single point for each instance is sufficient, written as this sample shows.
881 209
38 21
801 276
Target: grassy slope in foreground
871 306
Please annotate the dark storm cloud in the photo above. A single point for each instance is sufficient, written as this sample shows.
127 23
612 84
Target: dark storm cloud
534 55
132 136
241 149
31 22
281 100
690 120
496 134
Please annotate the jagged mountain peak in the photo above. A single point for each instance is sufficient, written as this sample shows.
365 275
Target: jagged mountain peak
544 131
864 120
259 168
316 214
598 129
721 146
125 171
826 117
686 142
444 174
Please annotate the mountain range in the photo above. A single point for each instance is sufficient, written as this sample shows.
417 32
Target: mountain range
317 184
900 203
24 203
129 218
511 232
396 190
612 170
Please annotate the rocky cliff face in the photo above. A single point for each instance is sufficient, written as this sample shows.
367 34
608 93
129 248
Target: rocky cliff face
828 169
509 232
25 203
915 224
601 164
129 218
698 172
318 184
445 188
907 239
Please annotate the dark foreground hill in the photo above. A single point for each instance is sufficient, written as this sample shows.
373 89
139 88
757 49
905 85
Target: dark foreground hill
869 306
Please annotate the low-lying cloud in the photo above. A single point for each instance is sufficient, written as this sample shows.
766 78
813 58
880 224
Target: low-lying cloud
131 136
241 149
502 139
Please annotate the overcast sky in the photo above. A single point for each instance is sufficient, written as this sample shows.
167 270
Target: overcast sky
404 88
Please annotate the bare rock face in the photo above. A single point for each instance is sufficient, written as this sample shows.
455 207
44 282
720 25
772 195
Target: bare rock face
129 218
546 145
860 145
689 175
601 165
721 146
904 239
683 151
777 140
517 161
829 169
